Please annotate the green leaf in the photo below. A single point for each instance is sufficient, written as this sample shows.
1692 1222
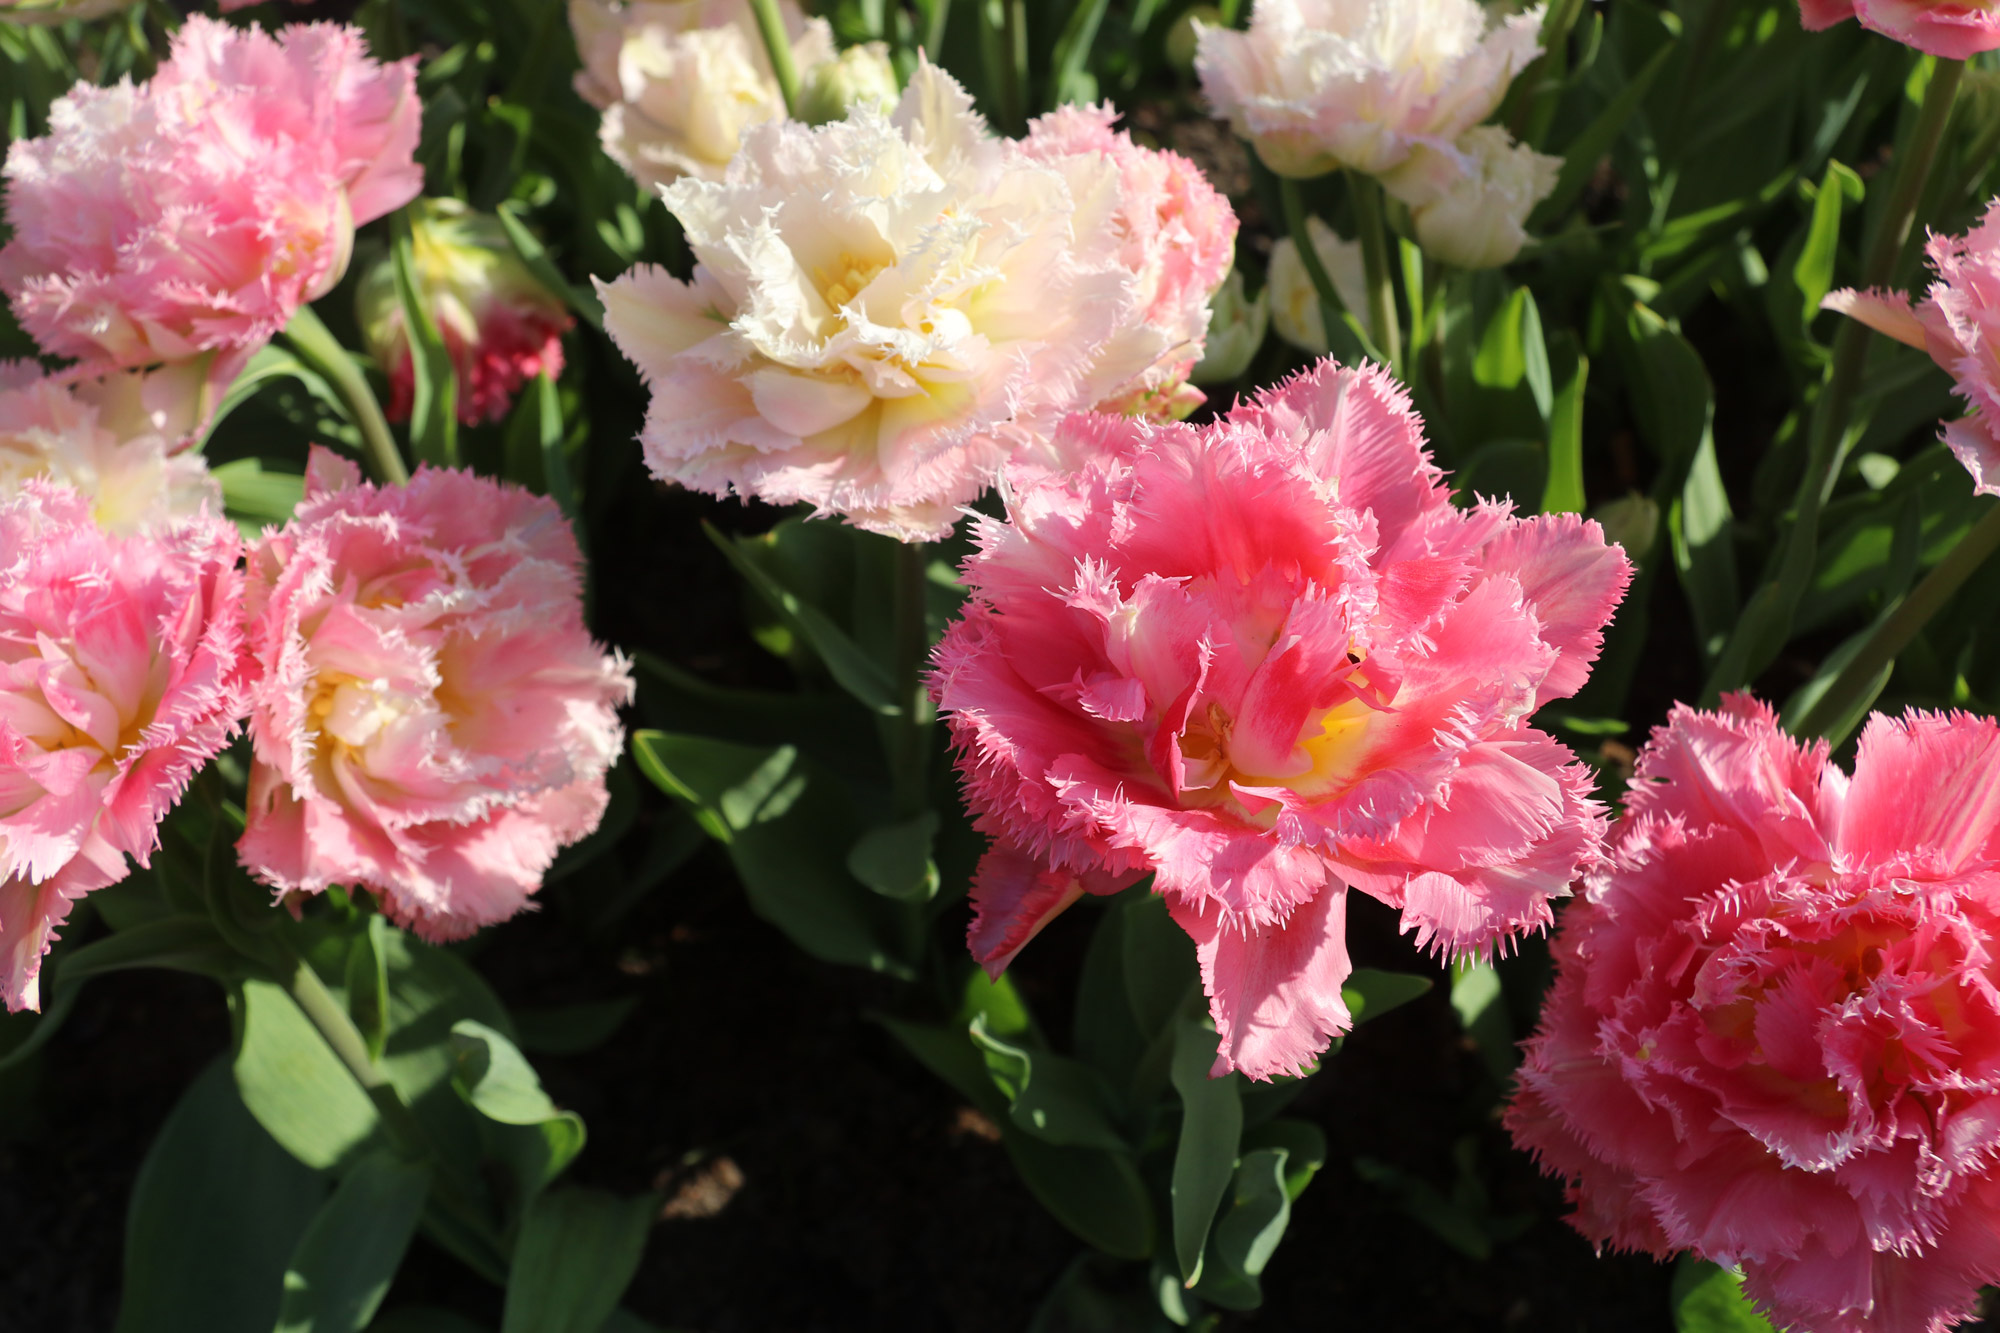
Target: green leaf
347 1258
270 362
577 1253
779 815
895 859
951 1055
1160 967
1056 1099
1813 271
1512 351
298 1089
434 396
571 1029
1703 530
368 983
857 673
215 1213
1247 1233
1482 1010
255 497
1708 1299
535 452
1563 492
1305 1150
1369 993
1583 153
536 257
1211 1131
423 1319
183 943
1068 76
1095 1193
497 1081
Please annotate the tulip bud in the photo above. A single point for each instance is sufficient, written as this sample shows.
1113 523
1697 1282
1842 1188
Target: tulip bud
1185 35
1632 521
1236 330
501 327
1295 313
1470 202
858 76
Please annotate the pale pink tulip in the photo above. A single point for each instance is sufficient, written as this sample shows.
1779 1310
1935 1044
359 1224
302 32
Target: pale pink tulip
882 310
1178 240
1267 660
119 441
1317 85
431 720
194 214
1952 29
1958 323
120 676
1774 1035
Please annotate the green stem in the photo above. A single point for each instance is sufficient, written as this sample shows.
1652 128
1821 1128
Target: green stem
1366 193
1903 624
1014 63
1295 223
1758 637
909 760
933 43
777 45
317 346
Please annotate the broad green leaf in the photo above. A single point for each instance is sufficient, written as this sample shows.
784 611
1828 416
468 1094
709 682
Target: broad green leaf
577 1253
857 672
1482 1011
1370 993
1813 271
571 1029
1563 492
1069 77
1504 468
368 983
255 497
1095 1193
497 1081
780 816
270 362
995 1001
183 943
298 1089
1709 1299
1305 1150
895 859
1247 1232
1211 1131
347 1258
1703 531
434 395
535 452
1106 1035
423 1319
1052 1097
1160 966
215 1213
1512 351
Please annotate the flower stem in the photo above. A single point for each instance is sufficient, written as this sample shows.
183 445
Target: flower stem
1366 193
1767 621
771 26
1295 223
1894 633
318 348
909 758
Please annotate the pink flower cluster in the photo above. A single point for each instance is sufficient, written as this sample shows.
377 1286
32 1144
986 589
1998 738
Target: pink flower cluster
1774 1035
1951 29
432 720
1267 660
196 213
1958 323
120 676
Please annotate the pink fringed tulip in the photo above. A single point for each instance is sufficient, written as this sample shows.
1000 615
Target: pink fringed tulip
1178 239
196 213
1952 29
1958 323
1317 85
501 326
431 719
882 311
118 441
120 675
1267 660
1774 1035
